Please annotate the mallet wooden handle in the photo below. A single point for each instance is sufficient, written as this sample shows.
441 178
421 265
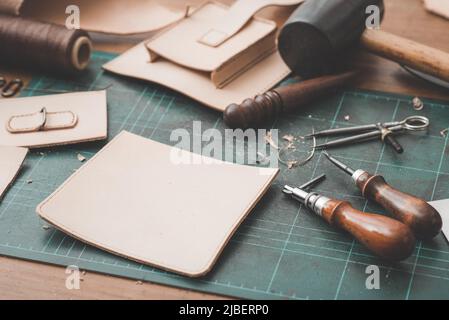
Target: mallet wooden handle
384 236
253 113
415 55
421 217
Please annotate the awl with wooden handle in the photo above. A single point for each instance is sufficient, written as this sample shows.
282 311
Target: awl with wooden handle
258 111
384 236
321 33
416 213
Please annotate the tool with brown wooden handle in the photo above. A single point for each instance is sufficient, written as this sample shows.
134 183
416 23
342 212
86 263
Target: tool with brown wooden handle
386 237
421 217
406 52
253 113
319 34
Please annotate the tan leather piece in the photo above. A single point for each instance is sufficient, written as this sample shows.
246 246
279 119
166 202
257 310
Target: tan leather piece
197 85
239 14
134 200
180 44
111 16
89 123
11 159
440 7
122 17
11 6
42 121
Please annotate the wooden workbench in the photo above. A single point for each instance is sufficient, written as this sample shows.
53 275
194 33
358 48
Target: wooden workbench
29 280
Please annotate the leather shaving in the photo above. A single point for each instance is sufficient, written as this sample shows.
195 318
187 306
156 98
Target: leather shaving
444 132
81 158
262 158
289 146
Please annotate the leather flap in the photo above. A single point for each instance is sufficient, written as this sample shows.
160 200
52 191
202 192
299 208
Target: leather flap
237 16
135 200
180 44
69 118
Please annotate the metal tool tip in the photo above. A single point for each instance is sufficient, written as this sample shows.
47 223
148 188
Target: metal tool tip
288 190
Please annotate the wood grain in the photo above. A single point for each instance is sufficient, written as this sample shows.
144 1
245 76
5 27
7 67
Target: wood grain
407 52
384 236
416 213
407 18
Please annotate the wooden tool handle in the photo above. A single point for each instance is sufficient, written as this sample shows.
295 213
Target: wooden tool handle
420 216
417 56
253 113
386 237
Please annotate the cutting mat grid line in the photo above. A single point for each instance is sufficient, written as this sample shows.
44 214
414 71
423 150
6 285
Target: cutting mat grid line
281 251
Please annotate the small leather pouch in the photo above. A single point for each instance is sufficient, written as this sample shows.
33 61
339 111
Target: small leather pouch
193 43
60 119
217 54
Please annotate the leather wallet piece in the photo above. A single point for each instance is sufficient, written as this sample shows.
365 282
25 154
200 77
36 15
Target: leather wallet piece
134 200
60 119
11 159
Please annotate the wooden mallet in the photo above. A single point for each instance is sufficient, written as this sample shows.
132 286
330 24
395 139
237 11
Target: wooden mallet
320 32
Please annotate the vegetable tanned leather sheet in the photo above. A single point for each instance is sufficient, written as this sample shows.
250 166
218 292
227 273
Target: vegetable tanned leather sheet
135 199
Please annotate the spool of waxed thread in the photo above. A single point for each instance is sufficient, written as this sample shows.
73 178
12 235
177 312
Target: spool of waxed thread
45 46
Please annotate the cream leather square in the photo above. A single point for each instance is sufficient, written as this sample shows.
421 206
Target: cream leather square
70 118
135 200
11 159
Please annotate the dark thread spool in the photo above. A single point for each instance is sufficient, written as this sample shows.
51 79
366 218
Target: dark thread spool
47 47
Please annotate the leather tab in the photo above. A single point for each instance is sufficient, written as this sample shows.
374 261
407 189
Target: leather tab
238 15
42 121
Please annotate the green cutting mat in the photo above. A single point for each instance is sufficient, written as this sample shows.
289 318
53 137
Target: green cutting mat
281 251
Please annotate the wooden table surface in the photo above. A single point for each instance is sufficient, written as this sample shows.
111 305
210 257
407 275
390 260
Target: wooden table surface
29 280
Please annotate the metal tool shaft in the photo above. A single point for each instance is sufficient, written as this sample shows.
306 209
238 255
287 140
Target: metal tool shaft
355 129
339 164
